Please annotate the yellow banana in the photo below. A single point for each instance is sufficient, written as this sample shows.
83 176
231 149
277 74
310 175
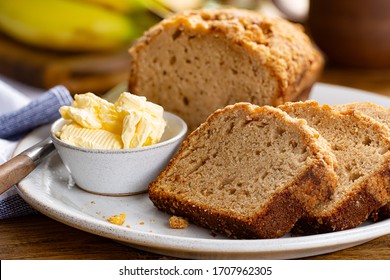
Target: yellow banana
175 5
122 6
65 25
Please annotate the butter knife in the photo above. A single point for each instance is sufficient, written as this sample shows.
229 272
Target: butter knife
18 167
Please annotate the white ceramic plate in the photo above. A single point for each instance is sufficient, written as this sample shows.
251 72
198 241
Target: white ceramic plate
50 190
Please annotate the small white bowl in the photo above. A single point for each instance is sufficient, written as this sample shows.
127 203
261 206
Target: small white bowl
120 172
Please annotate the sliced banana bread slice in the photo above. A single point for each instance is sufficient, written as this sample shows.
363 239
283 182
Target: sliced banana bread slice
247 172
361 146
196 62
382 115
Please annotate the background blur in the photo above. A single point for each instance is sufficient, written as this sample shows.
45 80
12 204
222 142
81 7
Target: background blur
83 44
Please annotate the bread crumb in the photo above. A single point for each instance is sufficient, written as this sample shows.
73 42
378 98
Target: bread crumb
117 219
178 222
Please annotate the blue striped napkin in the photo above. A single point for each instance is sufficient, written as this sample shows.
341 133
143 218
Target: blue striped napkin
14 125
41 110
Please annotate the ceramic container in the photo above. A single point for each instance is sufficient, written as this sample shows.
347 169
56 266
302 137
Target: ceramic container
120 172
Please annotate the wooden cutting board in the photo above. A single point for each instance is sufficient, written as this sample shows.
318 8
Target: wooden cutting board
79 72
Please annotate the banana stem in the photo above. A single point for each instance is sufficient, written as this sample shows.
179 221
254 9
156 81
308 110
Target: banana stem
158 8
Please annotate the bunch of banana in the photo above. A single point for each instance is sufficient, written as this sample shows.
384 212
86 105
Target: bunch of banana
121 6
73 25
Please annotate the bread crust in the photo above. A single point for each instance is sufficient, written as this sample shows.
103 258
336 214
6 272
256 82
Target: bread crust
351 212
314 184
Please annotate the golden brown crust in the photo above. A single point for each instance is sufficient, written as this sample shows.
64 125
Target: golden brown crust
313 185
352 211
382 213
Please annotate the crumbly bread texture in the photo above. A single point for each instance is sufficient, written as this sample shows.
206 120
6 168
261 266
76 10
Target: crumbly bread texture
198 61
247 172
382 115
361 146
176 222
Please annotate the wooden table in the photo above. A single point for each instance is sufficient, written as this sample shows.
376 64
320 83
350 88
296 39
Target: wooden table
39 237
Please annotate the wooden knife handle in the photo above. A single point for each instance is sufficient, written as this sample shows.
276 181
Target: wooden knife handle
14 170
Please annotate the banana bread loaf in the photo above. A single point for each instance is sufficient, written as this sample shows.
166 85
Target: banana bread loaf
198 61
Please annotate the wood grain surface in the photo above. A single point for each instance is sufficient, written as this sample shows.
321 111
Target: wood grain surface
39 237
